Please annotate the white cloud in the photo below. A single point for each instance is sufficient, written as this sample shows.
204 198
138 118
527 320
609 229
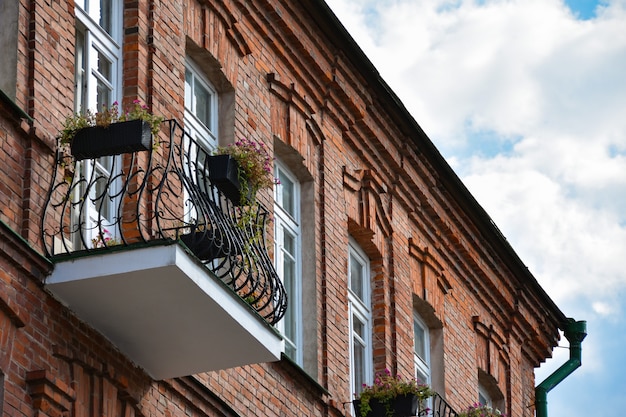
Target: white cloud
528 104
574 249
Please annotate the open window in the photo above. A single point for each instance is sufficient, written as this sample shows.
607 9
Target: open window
288 252
360 318
97 85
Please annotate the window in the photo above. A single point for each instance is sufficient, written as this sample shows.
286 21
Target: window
360 319
201 119
288 257
483 396
97 75
201 107
421 350
9 35
98 53
489 392
102 12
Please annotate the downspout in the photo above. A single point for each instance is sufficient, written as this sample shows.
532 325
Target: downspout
575 332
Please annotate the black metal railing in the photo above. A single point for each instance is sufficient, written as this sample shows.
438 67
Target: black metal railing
440 408
107 203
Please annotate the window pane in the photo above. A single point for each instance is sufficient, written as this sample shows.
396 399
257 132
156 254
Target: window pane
103 88
358 327
356 277
286 194
359 366
100 11
103 95
188 90
106 10
420 340
483 397
104 66
289 268
100 197
81 71
421 376
102 173
203 104
289 243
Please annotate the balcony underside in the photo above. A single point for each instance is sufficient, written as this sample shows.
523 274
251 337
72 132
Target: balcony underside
164 310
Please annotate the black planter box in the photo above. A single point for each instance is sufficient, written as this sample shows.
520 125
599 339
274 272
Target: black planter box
377 409
224 174
115 139
205 245
400 406
405 405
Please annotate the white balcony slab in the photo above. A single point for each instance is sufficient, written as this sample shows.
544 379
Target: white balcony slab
164 310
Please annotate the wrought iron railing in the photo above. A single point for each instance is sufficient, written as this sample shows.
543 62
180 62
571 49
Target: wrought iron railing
102 204
440 408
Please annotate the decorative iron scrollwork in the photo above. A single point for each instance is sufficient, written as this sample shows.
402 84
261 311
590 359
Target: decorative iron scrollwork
163 194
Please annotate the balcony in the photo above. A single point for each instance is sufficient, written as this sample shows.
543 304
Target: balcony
440 408
150 253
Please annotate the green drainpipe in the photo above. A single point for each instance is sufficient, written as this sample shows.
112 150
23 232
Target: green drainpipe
575 332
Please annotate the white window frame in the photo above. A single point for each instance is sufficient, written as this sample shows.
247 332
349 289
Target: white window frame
359 308
90 9
289 223
423 366
96 40
483 396
207 136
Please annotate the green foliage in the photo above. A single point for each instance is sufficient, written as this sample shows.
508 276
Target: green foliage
386 387
479 410
255 166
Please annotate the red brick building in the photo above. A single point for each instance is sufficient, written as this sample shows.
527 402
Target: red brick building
376 255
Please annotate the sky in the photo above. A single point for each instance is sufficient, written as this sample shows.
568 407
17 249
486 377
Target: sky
526 100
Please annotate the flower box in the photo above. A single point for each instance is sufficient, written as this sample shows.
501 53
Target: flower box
377 409
391 396
206 245
224 174
115 139
404 405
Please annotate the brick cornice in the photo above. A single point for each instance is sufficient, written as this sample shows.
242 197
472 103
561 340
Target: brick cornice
50 395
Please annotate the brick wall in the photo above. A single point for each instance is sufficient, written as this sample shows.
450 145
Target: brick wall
296 89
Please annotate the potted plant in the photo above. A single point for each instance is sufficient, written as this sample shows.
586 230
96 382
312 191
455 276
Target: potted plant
240 169
206 243
480 410
109 132
391 396
104 239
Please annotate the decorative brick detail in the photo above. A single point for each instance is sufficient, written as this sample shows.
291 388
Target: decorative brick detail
492 353
51 396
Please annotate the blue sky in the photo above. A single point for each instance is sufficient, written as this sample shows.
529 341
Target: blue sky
526 99
583 9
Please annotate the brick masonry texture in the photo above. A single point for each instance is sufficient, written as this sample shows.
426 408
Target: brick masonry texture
369 175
